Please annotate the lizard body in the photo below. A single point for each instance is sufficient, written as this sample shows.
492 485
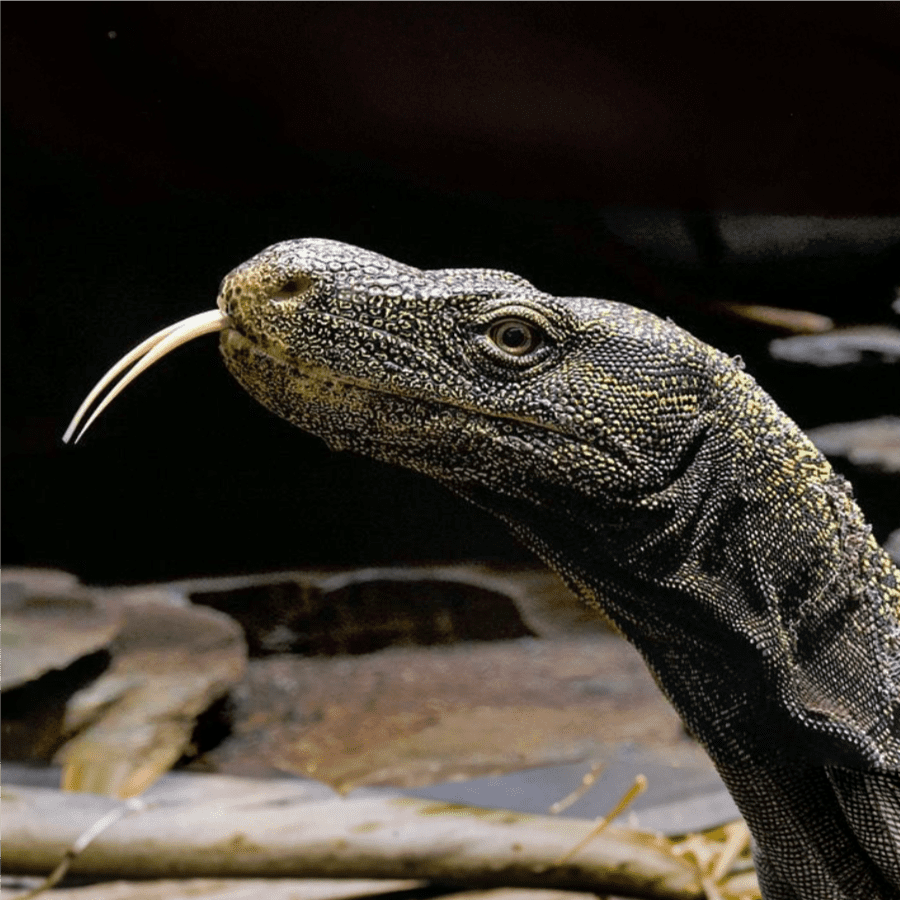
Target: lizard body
661 482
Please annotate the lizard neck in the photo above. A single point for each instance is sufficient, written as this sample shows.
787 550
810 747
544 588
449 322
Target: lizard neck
752 581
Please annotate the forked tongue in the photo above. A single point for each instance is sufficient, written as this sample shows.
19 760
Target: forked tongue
141 358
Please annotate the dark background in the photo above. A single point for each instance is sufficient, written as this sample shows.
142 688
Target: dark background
644 152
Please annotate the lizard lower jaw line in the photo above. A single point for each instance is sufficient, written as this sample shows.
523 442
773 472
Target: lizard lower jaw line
140 359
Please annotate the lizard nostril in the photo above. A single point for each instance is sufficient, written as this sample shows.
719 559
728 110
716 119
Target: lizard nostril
299 284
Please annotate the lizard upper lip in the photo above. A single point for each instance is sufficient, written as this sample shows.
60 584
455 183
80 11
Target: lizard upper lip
312 370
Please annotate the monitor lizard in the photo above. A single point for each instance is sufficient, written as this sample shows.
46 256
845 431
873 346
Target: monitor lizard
661 482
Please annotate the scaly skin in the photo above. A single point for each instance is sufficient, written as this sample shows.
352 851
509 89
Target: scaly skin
660 481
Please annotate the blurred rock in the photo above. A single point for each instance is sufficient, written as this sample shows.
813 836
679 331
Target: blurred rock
408 716
872 444
841 347
892 546
136 720
49 621
364 610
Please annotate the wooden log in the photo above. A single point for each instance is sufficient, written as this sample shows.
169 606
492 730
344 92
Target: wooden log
367 837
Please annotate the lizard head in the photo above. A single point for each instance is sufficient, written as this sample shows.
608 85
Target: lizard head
472 376
525 403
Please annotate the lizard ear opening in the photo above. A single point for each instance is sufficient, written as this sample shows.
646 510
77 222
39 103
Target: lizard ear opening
141 358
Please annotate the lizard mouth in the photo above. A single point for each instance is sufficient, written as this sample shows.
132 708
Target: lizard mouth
139 360
158 345
153 349
236 339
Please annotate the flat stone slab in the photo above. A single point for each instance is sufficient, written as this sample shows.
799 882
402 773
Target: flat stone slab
49 622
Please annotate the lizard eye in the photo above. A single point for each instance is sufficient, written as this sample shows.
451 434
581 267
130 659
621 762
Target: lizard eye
515 336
